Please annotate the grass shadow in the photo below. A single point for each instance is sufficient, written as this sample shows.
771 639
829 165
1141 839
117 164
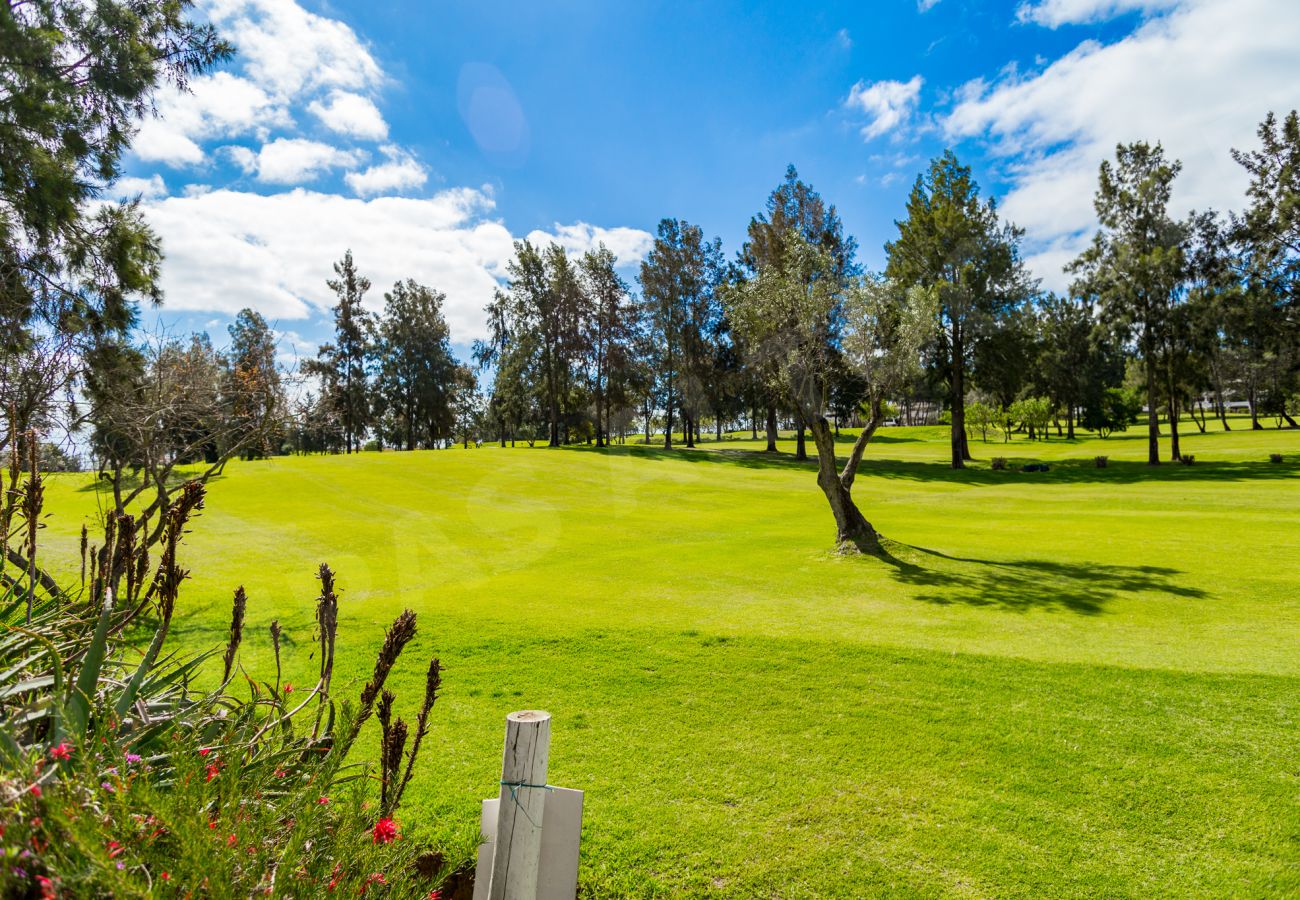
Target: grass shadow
1020 585
1063 471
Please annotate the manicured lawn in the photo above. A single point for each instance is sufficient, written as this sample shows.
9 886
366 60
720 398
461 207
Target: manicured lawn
1084 682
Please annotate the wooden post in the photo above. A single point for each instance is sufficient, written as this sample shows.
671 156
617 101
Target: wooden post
521 806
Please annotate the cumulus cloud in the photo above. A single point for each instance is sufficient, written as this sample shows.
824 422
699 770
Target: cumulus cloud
887 104
287 58
401 172
231 249
293 160
1055 13
1197 78
146 188
351 114
630 245
290 50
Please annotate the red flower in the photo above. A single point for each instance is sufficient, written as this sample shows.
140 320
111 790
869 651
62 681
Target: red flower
62 751
165 876
385 831
232 841
288 687
213 771
373 878
204 751
435 894
35 790
47 887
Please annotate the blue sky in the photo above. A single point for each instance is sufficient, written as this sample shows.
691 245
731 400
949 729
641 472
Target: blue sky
426 136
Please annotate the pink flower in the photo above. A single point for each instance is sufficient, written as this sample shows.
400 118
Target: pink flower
323 801
133 757
385 831
62 751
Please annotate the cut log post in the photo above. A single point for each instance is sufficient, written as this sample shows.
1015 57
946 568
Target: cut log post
521 806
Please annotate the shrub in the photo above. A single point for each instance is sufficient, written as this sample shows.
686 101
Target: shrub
1101 461
1187 459
117 776
999 463
1275 457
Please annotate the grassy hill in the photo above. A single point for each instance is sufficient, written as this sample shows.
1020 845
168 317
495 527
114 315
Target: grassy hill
1075 683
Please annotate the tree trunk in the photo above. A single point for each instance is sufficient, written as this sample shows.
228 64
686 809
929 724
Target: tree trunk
960 452
1175 453
852 530
1069 422
771 428
1153 418
1219 405
800 444
1254 410
688 431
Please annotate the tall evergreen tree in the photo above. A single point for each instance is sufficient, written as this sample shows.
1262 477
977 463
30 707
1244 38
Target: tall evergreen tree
1137 267
344 365
416 370
254 392
77 79
611 329
679 282
954 244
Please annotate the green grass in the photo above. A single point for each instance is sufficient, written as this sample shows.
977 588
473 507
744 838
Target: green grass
1084 682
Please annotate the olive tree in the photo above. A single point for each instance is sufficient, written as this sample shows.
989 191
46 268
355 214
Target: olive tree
816 328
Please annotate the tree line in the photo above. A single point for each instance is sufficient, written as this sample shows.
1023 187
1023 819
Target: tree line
1165 316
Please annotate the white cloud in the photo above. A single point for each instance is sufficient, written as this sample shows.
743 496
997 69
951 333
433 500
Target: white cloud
400 172
844 39
630 245
1198 79
230 249
290 50
129 188
159 142
926 5
218 105
351 114
1055 13
287 58
887 104
294 160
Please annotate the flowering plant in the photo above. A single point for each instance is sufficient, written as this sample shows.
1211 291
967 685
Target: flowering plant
118 778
